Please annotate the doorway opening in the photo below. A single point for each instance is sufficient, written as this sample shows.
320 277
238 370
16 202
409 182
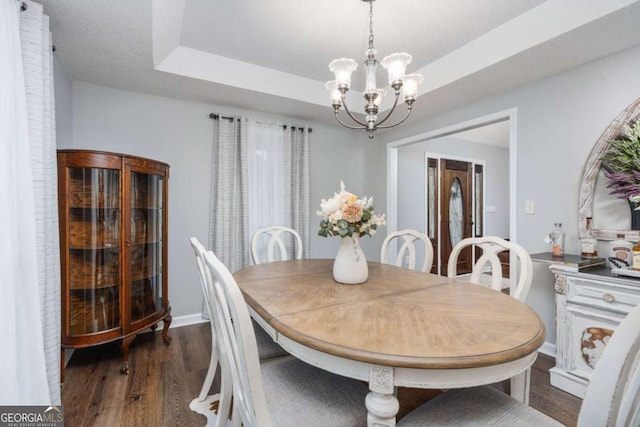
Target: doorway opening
493 181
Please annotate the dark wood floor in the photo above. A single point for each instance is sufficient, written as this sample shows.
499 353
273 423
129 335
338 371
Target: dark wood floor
164 379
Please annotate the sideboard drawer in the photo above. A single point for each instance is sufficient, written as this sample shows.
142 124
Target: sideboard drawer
618 298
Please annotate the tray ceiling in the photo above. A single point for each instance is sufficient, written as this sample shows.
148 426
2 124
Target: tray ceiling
272 55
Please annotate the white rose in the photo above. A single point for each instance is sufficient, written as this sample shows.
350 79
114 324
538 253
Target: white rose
330 206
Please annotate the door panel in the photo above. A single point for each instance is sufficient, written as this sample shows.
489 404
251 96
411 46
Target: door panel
456 219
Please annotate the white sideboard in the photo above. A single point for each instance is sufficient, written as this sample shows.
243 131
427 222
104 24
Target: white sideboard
589 306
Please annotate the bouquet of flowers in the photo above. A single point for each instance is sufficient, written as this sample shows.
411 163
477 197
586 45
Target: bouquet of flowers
346 215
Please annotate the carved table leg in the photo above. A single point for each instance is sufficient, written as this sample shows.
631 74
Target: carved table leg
381 403
124 348
165 328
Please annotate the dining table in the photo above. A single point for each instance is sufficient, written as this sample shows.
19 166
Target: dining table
399 328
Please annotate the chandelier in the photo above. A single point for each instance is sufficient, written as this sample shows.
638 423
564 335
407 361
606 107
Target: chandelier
395 64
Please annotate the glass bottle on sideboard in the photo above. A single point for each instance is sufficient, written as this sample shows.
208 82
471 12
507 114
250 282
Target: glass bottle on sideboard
588 241
557 240
113 228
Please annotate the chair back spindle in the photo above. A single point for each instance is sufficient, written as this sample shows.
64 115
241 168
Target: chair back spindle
491 246
276 247
407 249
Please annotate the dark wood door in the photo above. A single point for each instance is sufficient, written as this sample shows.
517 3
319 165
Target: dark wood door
456 220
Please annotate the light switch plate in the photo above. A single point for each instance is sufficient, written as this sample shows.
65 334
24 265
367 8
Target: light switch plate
529 207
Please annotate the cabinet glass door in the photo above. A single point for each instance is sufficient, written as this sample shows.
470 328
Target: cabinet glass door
94 250
146 220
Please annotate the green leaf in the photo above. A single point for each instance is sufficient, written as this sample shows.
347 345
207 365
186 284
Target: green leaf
623 155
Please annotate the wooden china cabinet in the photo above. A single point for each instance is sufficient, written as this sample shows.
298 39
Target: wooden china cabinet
113 248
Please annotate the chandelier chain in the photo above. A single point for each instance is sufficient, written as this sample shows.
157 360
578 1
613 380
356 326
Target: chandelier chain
371 24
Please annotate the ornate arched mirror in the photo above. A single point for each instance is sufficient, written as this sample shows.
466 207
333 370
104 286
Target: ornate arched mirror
611 215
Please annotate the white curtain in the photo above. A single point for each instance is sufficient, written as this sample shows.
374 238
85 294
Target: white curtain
29 251
265 153
260 177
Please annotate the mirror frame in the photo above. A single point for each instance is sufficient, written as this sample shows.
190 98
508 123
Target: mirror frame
592 167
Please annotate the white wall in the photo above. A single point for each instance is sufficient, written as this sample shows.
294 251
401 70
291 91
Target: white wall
558 121
180 133
63 88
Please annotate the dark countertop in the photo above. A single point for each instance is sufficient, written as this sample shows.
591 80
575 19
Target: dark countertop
595 267
567 259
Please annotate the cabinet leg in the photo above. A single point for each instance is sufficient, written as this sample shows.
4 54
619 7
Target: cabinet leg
165 328
124 348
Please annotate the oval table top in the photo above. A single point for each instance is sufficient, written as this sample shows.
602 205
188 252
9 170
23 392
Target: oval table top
399 317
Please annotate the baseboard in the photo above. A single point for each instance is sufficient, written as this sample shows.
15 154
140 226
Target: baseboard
180 321
570 383
67 356
548 349
189 319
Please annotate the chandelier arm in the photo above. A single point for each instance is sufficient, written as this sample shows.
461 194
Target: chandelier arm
344 104
343 68
409 110
393 108
346 125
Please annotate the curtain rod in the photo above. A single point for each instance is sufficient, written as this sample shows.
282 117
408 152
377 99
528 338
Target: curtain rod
215 116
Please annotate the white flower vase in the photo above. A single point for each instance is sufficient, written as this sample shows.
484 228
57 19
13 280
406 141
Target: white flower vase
350 266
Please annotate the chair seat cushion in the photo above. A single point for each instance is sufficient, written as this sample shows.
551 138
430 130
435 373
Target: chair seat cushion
477 406
299 394
267 347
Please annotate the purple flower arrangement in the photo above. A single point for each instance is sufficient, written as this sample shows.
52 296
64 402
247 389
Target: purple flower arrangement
622 159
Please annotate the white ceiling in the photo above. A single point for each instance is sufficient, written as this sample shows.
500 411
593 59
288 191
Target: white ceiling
494 134
272 55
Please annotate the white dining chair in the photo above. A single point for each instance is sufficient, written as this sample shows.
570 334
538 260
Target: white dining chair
408 249
487 270
612 397
199 251
267 348
275 246
281 392
276 249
